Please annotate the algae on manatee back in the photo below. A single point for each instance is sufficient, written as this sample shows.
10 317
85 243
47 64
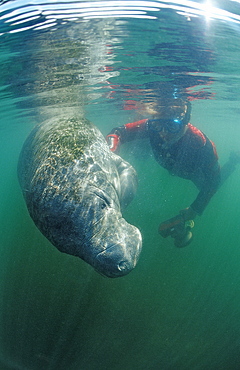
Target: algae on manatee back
64 138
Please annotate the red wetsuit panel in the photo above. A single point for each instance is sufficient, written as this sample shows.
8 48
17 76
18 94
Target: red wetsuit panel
135 125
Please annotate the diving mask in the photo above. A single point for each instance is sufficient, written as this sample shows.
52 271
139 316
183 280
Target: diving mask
173 126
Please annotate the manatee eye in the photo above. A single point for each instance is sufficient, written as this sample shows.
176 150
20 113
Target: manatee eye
104 202
103 205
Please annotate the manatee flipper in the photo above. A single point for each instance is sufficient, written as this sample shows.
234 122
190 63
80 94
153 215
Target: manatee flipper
128 180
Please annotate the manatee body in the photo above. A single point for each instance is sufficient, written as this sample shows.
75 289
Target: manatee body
74 188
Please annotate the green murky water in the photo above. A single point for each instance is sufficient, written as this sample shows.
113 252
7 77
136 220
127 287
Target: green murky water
180 308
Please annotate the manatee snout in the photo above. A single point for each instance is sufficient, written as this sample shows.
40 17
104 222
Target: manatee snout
121 255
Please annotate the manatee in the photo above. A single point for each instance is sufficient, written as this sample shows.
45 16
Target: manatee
74 188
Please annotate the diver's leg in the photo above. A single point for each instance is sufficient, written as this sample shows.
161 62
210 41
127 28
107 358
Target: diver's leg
229 167
128 181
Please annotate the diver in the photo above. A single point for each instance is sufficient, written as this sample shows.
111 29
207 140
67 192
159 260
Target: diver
184 151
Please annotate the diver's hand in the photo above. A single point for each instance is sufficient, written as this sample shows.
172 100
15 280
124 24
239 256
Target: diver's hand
113 142
188 214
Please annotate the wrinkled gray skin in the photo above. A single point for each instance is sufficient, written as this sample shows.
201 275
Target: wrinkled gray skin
74 188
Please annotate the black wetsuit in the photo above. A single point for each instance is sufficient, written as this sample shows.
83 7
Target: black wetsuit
192 157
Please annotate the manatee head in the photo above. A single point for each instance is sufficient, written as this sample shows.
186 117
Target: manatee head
94 230
110 244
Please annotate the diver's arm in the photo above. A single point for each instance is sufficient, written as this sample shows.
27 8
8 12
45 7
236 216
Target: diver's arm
211 185
122 134
212 174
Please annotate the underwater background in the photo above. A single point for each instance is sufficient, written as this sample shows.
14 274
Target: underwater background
180 307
